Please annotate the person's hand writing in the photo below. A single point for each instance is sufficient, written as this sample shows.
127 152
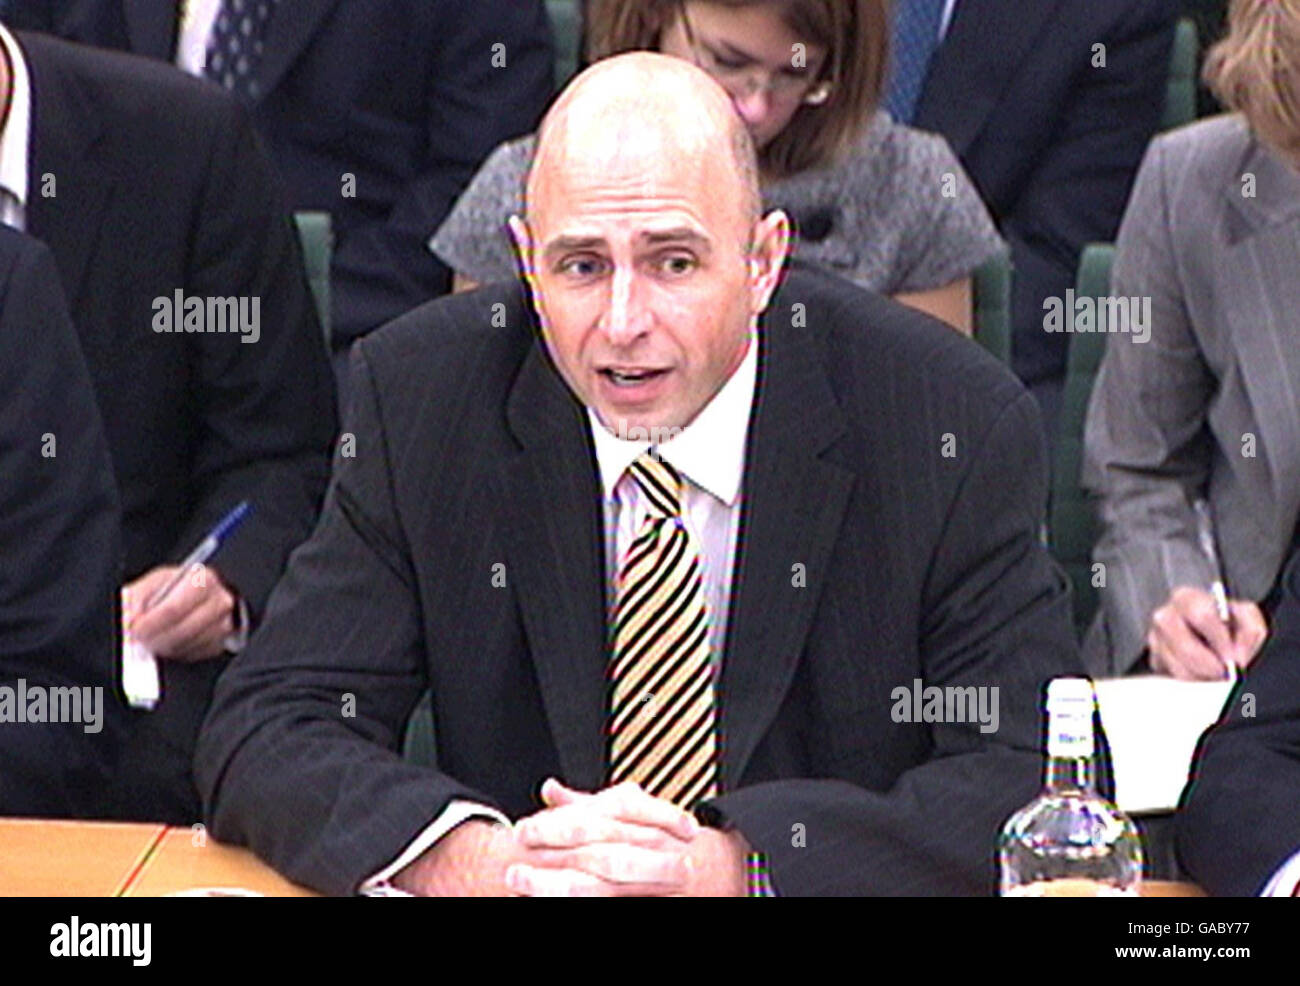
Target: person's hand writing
190 623
621 841
1187 639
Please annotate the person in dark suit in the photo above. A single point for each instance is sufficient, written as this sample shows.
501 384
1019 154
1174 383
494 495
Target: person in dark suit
60 528
1049 105
671 555
376 111
159 205
1238 830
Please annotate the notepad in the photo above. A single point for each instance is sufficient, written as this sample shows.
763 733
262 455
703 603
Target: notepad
140 680
1153 724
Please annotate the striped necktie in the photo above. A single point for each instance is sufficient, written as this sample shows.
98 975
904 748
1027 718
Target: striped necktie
662 719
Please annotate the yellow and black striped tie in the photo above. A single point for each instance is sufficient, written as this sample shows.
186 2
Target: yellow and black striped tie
662 720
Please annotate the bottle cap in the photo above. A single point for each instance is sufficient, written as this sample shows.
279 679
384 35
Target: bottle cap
1070 702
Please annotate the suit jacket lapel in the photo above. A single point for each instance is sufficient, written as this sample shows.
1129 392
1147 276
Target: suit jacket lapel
554 531
291 27
794 503
968 75
1264 238
64 133
151 27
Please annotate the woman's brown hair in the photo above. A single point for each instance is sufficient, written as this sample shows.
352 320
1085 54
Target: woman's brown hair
1255 70
855 34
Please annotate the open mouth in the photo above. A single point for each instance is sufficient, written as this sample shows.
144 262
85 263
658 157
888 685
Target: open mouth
630 378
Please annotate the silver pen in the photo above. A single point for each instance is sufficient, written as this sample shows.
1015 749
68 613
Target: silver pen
1205 538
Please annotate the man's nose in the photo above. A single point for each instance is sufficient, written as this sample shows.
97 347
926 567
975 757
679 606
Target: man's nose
625 315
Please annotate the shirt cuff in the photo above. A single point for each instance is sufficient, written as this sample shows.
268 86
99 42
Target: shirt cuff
1285 880
454 814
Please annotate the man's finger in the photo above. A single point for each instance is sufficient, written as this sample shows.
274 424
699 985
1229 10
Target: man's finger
534 881
1178 652
151 625
576 825
555 794
620 863
626 802
1250 631
631 804
199 633
1200 613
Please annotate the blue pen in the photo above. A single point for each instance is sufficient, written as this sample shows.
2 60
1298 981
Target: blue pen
205 550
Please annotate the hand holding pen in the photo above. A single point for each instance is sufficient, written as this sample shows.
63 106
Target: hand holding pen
184 611
1199 633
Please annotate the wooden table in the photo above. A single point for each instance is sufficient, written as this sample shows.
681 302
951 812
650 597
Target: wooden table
40 858
1169 888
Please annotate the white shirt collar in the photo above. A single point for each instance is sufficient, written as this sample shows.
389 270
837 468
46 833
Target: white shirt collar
710 451
16 137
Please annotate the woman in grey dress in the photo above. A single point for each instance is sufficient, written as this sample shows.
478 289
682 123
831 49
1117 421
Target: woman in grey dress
882 204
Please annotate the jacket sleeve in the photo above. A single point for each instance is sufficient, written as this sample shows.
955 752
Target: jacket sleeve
60 527
298 755
1146 450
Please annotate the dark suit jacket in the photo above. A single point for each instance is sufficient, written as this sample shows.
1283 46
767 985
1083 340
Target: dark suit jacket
59 527
160 185
1051 141
471 452
1239 822
402 94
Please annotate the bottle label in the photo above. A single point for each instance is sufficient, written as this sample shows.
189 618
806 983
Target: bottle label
1071 741
1070 702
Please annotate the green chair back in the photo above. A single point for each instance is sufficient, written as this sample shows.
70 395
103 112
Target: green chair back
1180 96
1072 520
316 233
992 296
418 744
566 26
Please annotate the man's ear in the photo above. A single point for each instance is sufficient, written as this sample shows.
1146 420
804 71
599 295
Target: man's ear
771 247
523 241
524 253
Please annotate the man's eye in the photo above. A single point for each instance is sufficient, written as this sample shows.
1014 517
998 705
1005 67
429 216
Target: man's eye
580 266
677 263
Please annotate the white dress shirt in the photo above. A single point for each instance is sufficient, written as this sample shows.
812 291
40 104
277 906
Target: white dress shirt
197 21
709 454
15 139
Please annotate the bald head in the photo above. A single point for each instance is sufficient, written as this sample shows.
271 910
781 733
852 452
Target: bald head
639 114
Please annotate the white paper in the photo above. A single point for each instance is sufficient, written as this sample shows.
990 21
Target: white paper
1153 724
139 674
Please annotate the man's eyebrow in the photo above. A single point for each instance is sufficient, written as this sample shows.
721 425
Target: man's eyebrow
562 244
679 234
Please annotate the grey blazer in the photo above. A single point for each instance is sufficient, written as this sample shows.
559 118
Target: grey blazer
1208 406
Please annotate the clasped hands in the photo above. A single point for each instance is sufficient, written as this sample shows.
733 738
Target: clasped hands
616 842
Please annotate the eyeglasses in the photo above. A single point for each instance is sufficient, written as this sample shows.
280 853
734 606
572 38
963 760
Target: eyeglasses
740 80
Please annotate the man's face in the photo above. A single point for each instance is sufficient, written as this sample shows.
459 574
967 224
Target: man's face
642 277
